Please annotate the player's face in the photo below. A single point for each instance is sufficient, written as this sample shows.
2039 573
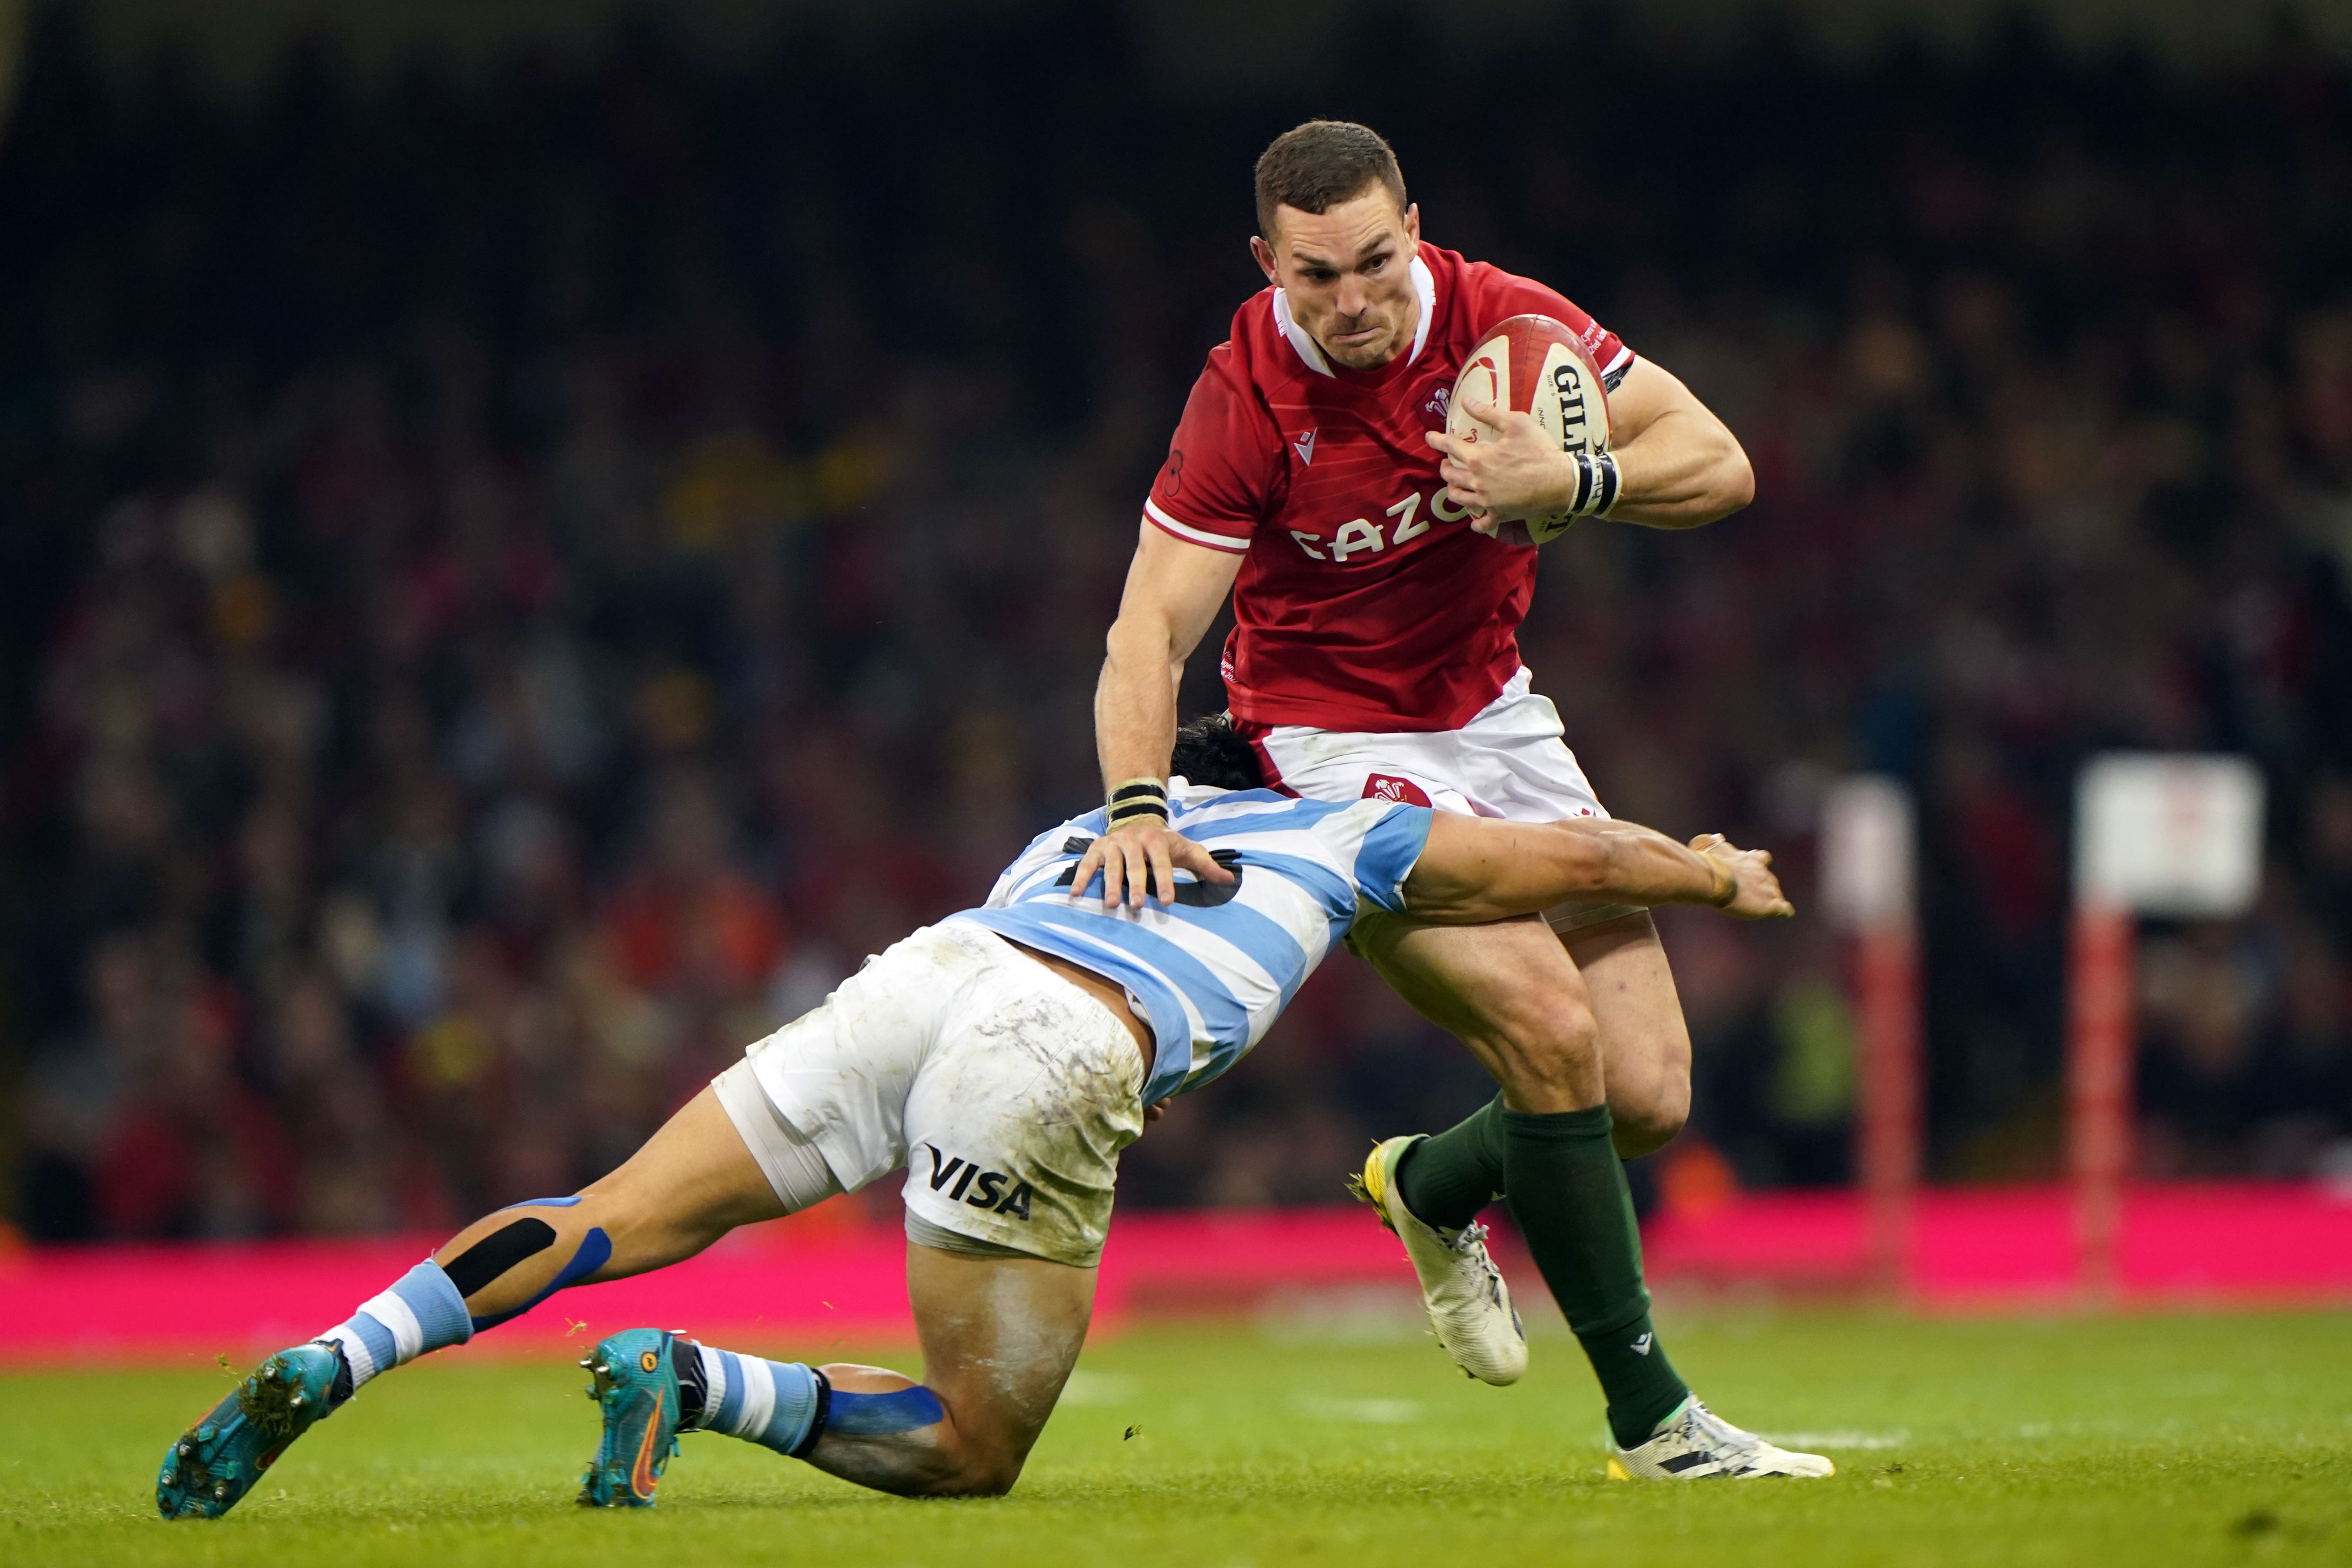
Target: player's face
1348 274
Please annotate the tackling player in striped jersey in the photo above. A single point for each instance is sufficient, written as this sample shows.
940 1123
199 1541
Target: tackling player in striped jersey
1002 1059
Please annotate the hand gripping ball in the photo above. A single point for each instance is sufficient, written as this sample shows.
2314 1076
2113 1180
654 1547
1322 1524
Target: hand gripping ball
1536 365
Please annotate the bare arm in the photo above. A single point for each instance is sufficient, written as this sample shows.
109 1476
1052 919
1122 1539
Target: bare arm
1682 467
1477 869
1175 590
1679 465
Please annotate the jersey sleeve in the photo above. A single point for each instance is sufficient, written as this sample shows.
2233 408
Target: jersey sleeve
1217 482
1509 295
1378 842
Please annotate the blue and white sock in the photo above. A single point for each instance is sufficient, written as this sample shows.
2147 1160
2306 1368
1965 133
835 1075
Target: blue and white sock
772 1403
786 1406
422 1312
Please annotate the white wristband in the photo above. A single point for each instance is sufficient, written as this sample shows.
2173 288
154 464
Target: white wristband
1597 484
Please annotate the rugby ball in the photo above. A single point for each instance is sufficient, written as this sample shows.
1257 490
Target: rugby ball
1536 365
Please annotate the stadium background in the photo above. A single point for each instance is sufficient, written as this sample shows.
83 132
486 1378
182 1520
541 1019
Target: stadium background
528 544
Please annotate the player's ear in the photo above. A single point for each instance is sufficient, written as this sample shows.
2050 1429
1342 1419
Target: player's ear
1412 222
1263 253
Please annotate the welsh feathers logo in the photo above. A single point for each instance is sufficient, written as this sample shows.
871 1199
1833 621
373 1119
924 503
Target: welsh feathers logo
1441 402
1304 446
1381 786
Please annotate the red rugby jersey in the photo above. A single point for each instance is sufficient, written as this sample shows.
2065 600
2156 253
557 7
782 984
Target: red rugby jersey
1367 601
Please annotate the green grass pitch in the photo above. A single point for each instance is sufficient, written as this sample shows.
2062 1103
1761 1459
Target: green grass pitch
2137 1440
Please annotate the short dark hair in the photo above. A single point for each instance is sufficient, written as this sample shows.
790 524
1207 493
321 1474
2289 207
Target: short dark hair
1315 166
1209 752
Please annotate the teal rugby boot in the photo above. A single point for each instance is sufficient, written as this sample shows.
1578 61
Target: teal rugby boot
636 1376
216 1461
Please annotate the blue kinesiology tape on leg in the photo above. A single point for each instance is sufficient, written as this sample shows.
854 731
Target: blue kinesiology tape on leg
874 1415
771 1403
420 1311
594 1251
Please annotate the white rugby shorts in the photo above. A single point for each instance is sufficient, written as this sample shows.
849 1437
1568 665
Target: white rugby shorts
1508 761
1005 1091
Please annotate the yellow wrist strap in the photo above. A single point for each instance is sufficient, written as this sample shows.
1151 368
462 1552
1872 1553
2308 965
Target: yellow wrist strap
1726 886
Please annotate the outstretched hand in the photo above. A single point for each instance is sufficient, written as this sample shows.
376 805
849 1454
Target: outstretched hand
1756 892
1141 860
1509 469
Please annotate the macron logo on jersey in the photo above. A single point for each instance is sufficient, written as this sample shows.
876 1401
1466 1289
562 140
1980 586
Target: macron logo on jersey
1304 446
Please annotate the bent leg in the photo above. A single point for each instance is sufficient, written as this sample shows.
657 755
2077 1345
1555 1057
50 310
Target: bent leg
1008 1204
1645 1049
998 1335
1508 991
1605 1025
692 1182
1515 995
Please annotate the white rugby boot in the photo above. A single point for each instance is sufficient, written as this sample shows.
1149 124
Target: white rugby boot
1695 1444
1468 1304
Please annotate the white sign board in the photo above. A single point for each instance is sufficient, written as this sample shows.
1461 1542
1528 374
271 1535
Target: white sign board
2172 834
1866 852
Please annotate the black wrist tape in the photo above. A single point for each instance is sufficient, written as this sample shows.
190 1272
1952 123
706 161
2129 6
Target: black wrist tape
1597 483
1138 800
1607 481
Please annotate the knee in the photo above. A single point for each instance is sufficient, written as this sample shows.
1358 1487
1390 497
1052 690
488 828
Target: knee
1647 1121
1545 1047
989 1479
971 1475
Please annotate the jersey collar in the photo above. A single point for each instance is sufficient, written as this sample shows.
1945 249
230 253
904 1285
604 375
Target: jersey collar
1424 287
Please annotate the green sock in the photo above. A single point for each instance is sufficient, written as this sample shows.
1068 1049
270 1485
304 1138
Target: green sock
1448 1178
1567 1190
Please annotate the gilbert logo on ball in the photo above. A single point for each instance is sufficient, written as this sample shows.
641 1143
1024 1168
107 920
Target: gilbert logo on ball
1534 365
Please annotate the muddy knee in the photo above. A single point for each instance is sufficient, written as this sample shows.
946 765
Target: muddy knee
948 1471
983 1476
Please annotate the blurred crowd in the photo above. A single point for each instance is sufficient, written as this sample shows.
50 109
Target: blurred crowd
513 587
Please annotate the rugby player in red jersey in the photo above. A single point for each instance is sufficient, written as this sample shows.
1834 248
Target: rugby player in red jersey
1374 653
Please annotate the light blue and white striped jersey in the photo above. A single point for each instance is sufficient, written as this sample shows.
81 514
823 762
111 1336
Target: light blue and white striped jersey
1210 971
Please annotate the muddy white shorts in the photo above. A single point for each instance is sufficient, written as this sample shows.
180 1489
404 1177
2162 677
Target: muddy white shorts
1005 1091
1508 761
